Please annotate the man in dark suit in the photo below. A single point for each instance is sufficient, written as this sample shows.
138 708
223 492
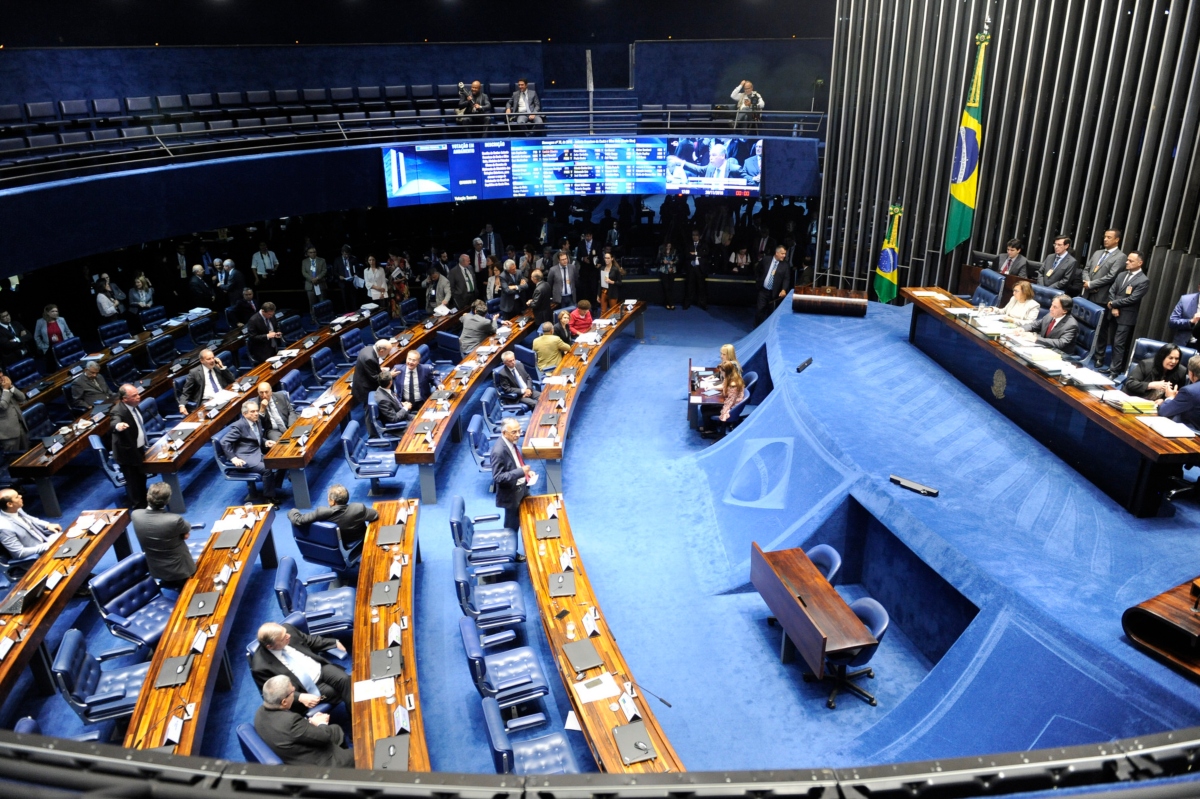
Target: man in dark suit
89 389
204 381
200 293
1060 269
695 265
350 517
539 303
1011 262
1102 268
297 740
1185 319
475 108
510 473
345 269
524 106
1183 404
774 277
493 245
762 245
129 443
313 269
276 410
246 442
391 410
513 290
16 342
752 168
285 650
162 536
230 283
246 307
367 369
1124 300
587 255
414 382
513 382
264 337
463 287
564 280
1057 329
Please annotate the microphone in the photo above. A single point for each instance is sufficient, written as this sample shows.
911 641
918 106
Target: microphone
656 696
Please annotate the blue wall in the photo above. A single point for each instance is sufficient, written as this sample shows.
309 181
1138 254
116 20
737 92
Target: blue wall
783 70
70 74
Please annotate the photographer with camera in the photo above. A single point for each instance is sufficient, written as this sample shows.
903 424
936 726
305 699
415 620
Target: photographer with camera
750 105
474 107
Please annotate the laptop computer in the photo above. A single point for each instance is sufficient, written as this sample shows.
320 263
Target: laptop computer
546 528
583 655
387 663
23 600
633 742
562 584
391 534
391 754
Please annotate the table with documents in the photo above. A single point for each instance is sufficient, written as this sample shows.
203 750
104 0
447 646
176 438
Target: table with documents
704 396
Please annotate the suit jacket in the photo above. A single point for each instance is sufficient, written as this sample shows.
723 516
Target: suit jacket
752 169
783 275
243 310
1062 337
193 387
540 303
1142 375
299 742
1101 270
1020 265
763 244
426 382
350 518
475 329
512 293
264 665
240 442
235 284
200 293
86 393
1181 318
366 374
339 270
1185 407
564 333
42 338
531 99
311 279
468 103
1060 278
287 412
16 343
161 534
440 295
699 250
507 384
19 542
259 346
124 442
458 288
1126 293
558 284
497 248
390 409
506 473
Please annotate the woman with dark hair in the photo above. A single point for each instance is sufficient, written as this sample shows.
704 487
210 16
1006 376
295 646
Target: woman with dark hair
610 282
668 263
1149 378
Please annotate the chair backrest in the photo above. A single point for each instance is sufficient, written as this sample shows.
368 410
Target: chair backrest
423 351
27 726
528 357
478 440
220 454
351 342
110 467
75 670
448 343
149 410
69 351
991 286
350 442
875 617
124 588
498 741
291 328
462 581
122 370
1045 295
1088 315
409 307
290 592
323 311
153 315
24 372
736 410
37 420
468 631
322 361
255 748
293 384
750 378
321 543
161 350
202 330
827 560
458 511
112 332
381 324
490 401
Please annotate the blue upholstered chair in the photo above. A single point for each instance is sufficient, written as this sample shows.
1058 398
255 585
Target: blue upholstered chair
494 413
152 316
1087 315
24 373
482 547
326 369
37 420
1144 348
512 676
130 602
411 311
153 419
68 351
991 286
300 622
827 560
254 748
297 392
122 369
112 470
112 332
491 605
447 344
548 754
202 330
292 328
94 694
320 543
382 325
161 351
1044 296
225 465
873 615
479 445
352 343
102 734
323 312
328 612
365 463
391 431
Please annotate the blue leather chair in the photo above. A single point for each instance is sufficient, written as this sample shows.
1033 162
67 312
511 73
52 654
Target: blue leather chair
37 421
391 431
1087 315
225 464
161 351
411 311
482 547
300 622
112 332
352 344
490 605
329 612
382 325
364 463
130 602
511 676
24 373
320 543
153 420
1144 348
323 312
297 392
122 369
202 330
292 328
480 446
494 413
68 351
991 287
96 695
325 367
493 306
152 316
112 470
15 568
29 726
873 615
423 351
827 560
548 754
447 344
255 748
1044 296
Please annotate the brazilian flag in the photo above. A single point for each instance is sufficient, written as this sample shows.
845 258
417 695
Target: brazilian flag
886 274
964 176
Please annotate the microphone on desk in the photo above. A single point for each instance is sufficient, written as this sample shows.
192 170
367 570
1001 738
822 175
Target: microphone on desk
656 696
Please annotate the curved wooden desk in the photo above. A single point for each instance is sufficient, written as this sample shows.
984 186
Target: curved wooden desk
1168 627
596 718
373 718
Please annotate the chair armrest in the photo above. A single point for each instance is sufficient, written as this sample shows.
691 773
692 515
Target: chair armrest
88 737
516 682
504 637
111 696
319 614
491 517
115 618
121 651
326 577
487 571
382 443
484 547
525 722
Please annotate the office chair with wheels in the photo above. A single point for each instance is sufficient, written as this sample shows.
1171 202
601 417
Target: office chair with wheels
873 615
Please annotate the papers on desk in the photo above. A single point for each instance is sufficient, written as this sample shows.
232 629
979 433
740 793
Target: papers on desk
199 312
6 644
222 397
1043 358
928 294
590 338
547 443
234 523
287 353
597 688
1085 377
435 416
127 341
310 412
441 310
1167 428
554 380
604 322
962 311
1125 403
365 690
186 427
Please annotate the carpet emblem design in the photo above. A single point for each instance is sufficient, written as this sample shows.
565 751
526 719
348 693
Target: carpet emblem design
761 477
999 383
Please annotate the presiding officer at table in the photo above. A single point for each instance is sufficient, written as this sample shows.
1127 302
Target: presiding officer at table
1056 329
298 741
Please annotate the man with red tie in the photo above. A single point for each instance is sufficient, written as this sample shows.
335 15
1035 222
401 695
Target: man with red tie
1012 262
510 473
1057 329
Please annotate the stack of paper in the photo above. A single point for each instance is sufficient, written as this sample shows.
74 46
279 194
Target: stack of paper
1167 428
1127 404
1086 377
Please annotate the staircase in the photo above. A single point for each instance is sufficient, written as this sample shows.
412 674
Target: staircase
569 108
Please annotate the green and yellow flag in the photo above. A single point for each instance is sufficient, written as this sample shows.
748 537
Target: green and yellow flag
964 175
886 274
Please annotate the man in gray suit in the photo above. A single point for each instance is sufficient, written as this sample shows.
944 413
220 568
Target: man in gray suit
276 410
24 536
1060 269
313 269
476 327
1124 299
523 107
163 537
1011 262
350 517
437 290
90 389
1102 268
1057 329
563 278
13 429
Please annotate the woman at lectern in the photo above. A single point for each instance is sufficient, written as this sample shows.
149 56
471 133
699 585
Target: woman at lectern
1150 378
1022 307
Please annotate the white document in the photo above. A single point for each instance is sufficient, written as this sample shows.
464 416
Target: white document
531 481
221 398
597 688
6 644
310 412
435 416
359 283
54 579
1168 428
572 722
365 690
554 380
441 310
186 427
317 289
589 623
543 442
222 578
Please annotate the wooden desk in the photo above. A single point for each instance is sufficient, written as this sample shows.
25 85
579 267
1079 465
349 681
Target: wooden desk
1168 627
156 706
414 448
1123 457
536 445
39 465
36 622
698 402
290 455
162 460
820 625
50 386
373 718
596 719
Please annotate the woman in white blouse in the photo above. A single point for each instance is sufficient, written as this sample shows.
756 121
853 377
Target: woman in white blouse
376 280
1022 307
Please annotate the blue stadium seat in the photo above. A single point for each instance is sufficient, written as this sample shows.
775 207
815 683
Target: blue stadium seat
291 327
130 601
37 421
255 748
382 325
94 694
161 351
24 373
352 344
323 312
122 369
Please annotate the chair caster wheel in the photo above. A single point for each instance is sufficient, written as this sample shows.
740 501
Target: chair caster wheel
871 674
873 703
831 704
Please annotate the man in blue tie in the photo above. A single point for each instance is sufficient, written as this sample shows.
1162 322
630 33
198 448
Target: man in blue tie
1060 269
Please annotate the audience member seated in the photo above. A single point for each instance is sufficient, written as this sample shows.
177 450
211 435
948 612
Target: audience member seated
476 327
351 518
276 410
141 296
14 435
298 740
50 329
246 442
15 341
1057 329
391 409
562 328
475 108
523 108
245 307
514 383
1022 307
1184 320
286 651
90 388
729 355
204 381
163 536
1152 377
733 389
549 348
24 536
581 318
1183 404
367 369
414 382
265 339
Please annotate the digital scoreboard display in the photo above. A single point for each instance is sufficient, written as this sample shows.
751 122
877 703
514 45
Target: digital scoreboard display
495 169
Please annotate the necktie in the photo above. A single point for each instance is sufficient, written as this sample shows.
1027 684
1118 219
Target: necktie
491 244
212 381
516 454
566 279
769 283
254 430
1057 261
312 264
221 279
273 412
1007 264
412 385
480 261
23 520
470 281
1050 327
517 376
252 309
141 436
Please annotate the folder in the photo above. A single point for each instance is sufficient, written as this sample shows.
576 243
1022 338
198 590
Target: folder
174 671
71 548
583 655
633 743
546 528
391 754
301 431
424 427
229 539
202 604
562 584
391 534
385 592
386 663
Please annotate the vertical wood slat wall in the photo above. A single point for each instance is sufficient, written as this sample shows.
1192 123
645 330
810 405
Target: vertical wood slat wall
1090 120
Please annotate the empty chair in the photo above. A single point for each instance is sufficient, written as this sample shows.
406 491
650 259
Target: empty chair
480 446
68 351
202 330
152 316
293 384
112 332
447 344
154 420
172 106
24 373
991 285
43 115
382 325
490 546
365 463
370 98
873 615
94 694
291 327
288 100
122 369
491 605
29 726
423 97
827 560
112 470
325 367
511 677
37 421
260 101
108 111
547 754
494 414
130 601
201 104
255 748
323 312
411 311
320 543
160 351
352 343
329 612
343 98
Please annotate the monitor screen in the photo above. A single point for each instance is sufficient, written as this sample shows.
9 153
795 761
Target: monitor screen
491 169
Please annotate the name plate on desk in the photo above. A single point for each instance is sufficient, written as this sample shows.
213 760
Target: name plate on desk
562 584
386 592
633 743
386 663
546 528
174 671
391 534
202 604
391 754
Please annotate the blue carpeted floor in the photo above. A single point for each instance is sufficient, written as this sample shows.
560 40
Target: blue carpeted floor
664 523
